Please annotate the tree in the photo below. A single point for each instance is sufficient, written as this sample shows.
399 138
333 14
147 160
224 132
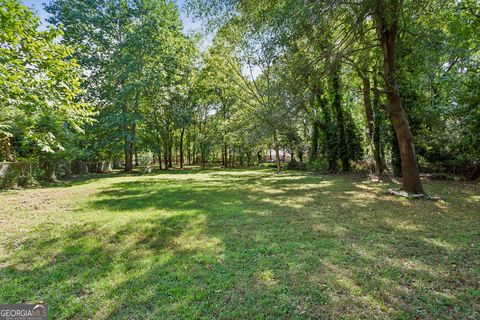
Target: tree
386 16
39 90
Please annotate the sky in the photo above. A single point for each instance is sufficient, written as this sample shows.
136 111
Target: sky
188 23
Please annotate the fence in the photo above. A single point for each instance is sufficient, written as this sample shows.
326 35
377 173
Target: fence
24 174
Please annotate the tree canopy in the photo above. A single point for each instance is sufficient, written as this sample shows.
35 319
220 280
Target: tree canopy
387 87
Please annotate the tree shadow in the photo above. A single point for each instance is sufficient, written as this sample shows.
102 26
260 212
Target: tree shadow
253 246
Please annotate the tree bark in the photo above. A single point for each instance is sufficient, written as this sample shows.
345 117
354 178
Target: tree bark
165 157
370 125
377 145
277 153
367 102
7 150
134 129
126 142
315 134
181 147
387 33
170 150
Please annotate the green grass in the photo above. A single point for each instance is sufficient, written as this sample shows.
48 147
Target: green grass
239 244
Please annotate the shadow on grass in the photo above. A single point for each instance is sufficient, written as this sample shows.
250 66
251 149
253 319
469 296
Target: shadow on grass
245 246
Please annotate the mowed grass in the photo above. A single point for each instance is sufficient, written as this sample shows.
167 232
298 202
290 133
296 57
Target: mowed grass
241 244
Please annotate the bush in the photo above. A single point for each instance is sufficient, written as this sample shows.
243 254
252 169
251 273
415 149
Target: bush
14 174
296 165
319 165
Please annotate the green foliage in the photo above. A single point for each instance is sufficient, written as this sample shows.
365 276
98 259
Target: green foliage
290 74
39 89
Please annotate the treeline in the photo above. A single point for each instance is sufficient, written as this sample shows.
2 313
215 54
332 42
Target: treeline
388 86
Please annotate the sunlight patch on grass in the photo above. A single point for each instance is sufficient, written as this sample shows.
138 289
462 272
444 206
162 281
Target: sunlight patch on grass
266 278
241 244
440 243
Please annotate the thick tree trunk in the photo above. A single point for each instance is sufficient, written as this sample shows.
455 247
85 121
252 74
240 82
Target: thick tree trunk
387 33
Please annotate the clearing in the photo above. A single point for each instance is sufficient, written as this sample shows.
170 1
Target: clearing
241 244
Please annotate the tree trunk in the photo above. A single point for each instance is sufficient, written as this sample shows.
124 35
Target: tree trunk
315 134
225 153
369 126
277 153
7 150
189 138
300 154
194 148
387 33
170 150
165 157
377 145
126 142
329 131
476 173
181 147
337 105
367 102
134 129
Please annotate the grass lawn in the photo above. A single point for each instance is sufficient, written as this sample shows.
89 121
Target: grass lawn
241 244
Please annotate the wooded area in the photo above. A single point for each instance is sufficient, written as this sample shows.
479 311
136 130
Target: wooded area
246 169
384 86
